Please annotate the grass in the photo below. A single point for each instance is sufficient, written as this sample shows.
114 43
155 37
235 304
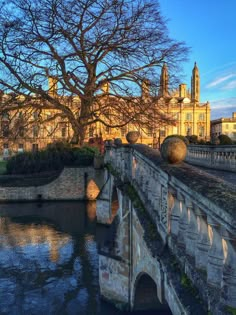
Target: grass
3 168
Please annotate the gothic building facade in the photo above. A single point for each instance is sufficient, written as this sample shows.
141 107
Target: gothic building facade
189 115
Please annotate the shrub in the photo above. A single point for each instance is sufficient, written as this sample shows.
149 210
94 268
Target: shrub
54 157
192 138
225 140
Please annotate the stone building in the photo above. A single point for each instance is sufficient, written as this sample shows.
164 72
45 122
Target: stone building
224 126
183 107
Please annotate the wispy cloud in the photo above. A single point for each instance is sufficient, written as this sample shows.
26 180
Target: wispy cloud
220 80
223 103
223 107
230 85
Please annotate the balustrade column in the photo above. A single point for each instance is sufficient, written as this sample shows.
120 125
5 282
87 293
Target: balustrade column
183 223
192 231
157 193
203 243
229 269
173 227
215 254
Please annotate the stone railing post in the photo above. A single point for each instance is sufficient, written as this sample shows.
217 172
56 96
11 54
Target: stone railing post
229 269
192 231
175 213
215 254
203 243
183 223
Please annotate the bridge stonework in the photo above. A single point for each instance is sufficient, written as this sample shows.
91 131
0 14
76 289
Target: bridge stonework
174 232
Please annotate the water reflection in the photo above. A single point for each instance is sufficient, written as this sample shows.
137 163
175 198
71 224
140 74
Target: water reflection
49 260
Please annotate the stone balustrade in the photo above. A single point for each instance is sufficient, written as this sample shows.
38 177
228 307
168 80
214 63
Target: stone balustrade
194 214
222 157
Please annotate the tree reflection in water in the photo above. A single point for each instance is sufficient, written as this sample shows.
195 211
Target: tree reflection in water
49 259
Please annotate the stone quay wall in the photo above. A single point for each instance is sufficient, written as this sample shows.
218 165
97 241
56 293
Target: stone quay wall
72 184
222 157
194 214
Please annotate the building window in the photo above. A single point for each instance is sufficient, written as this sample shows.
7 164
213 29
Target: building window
149 132
35 147
91 131
188 117
5 116
63 132
162 133
227 126
188 131
201 131
202 117
21 131
5 129
5 151
234 126
35 131
123 131
20 147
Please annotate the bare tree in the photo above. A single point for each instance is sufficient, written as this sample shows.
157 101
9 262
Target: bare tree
84 46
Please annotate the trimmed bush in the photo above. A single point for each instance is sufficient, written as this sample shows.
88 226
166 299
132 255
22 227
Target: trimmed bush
53 158
225 140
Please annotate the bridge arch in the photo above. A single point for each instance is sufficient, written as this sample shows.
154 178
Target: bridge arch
145 295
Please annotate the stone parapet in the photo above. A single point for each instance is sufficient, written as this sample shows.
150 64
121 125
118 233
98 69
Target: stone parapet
194 214
221 157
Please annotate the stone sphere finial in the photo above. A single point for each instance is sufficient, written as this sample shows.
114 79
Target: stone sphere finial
173 150
132 137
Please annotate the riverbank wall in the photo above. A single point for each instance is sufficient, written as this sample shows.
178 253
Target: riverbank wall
82 183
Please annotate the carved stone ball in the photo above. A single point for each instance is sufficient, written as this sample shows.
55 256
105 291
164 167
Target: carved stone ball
173 150
132 137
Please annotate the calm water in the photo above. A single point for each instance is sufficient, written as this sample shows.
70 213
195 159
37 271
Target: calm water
49 260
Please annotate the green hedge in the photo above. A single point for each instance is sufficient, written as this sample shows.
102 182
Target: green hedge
54 157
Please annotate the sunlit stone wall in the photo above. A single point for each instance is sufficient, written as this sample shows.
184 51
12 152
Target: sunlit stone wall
72 184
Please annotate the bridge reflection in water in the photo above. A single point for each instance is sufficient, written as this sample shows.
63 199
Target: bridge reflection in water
49 260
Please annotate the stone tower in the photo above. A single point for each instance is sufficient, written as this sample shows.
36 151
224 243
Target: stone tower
195 85
52 85
164 81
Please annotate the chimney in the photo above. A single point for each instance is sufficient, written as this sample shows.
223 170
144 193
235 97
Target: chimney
182 90
52 85
234 115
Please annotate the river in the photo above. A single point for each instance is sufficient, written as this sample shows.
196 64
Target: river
49 260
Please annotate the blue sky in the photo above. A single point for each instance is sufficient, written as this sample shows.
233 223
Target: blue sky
209 28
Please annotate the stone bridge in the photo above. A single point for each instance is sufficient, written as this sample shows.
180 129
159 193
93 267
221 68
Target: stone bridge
170 235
